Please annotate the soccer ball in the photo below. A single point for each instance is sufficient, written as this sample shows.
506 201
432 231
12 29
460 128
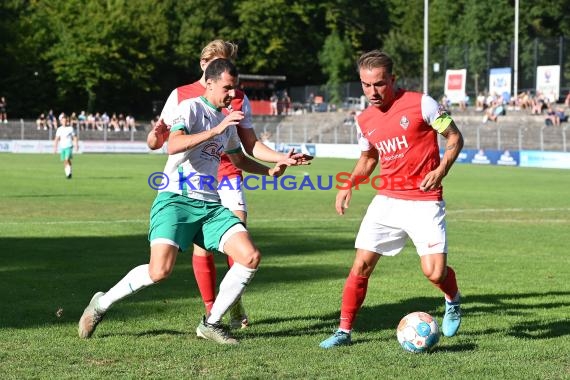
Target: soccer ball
417 332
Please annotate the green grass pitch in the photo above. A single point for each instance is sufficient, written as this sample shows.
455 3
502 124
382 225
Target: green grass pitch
62 240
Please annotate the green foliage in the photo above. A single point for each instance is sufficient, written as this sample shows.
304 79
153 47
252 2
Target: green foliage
195 23
113 43
119 54
278 37
336 59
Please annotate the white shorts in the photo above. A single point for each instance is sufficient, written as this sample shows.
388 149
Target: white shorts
233 197
389 221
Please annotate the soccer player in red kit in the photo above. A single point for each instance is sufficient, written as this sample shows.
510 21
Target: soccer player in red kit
399 130
232 196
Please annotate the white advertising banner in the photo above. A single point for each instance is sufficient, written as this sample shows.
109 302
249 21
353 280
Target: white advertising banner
455 85
500 81
548 81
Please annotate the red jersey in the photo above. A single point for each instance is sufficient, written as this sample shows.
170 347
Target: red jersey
194 90
406 143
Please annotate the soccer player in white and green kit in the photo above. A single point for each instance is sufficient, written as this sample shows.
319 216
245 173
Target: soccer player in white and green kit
66 139
188 209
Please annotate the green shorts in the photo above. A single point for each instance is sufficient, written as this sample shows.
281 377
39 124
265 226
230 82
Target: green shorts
184 221
66 153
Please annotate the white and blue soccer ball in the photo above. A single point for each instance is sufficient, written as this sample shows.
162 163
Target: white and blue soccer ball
418 332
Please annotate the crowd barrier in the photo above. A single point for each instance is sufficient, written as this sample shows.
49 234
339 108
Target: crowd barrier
523 158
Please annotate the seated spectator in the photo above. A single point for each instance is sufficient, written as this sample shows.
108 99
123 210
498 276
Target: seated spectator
561 114
91 121
51 120
537 104
464 102
131 123
480 102
552 118
82 120
122 122
524 100
74 121
105 120
41 121
3 111
114 122
492 113
98 121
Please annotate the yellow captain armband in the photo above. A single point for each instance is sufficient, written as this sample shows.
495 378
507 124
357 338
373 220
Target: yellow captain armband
442 122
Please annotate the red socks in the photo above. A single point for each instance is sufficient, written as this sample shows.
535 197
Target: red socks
353 296
449 286
205 273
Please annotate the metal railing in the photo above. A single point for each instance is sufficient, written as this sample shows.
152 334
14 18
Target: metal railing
332 129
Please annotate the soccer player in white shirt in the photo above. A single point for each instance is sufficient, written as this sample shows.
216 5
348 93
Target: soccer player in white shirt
65 139
233 198
188 210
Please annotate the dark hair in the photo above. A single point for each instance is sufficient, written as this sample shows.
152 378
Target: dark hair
219 66
374 59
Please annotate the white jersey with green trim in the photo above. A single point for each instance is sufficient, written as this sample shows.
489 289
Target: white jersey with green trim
66 135
193 173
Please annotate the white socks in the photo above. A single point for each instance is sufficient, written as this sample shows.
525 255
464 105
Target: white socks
67 169
231 288
137 279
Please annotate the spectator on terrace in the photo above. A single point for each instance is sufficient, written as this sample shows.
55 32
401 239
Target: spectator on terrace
73 119
82 120
494 111
552 117
3 110
41 122
524 100
480 102
114 122
105 120
98 122
286 103
51 120
537 104
131 123
122 122
273 100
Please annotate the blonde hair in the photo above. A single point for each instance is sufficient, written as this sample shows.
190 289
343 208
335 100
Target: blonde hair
219 49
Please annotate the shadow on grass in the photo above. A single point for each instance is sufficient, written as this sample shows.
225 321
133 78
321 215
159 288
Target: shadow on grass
40 276
44 278
387 316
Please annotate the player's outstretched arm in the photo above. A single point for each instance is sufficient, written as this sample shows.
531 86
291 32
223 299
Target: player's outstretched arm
259 150
243 162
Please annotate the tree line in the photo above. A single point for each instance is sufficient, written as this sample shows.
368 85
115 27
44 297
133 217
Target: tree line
123 54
